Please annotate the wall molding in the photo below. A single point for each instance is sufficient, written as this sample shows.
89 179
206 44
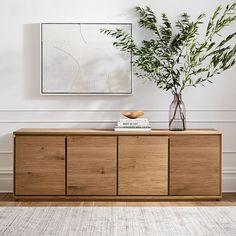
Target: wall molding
105 121
6 171
6 152
227 171
111 110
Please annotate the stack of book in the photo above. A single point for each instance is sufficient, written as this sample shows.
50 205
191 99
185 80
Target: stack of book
133 125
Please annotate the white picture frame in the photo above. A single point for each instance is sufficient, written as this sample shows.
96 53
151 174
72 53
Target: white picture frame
77 59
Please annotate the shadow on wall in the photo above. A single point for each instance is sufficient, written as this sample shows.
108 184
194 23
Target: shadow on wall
31 49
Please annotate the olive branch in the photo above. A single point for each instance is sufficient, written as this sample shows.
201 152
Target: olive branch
175 58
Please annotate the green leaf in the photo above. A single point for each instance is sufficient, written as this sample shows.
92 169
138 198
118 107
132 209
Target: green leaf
174 57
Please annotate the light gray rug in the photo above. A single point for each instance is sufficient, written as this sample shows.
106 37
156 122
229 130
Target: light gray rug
120 221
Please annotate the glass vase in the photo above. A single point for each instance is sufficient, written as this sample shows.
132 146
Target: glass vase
177 114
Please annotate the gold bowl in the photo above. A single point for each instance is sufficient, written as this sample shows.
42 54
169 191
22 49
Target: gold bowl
132 114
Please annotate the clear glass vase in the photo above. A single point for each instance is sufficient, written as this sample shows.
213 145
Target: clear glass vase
177 114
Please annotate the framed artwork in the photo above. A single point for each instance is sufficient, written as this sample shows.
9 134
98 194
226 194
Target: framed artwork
76 58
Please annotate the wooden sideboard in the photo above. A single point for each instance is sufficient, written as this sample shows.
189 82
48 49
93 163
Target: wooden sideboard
108 165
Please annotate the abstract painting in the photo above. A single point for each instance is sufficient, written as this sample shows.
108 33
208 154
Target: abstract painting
76 58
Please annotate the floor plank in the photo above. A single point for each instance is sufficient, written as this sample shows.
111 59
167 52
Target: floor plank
6 199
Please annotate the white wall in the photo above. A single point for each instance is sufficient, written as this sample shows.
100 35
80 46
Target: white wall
21 105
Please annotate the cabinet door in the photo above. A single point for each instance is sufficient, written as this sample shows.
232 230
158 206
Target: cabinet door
143 165
195 165
39 165
91 165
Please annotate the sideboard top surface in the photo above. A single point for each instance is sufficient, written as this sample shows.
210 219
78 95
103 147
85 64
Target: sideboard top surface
66 131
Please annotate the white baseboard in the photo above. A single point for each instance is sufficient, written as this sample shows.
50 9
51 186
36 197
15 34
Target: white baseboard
6 182
229 181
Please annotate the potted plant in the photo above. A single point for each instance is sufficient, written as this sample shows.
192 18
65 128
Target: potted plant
175 59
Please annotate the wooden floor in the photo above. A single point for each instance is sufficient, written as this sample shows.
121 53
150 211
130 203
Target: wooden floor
6 199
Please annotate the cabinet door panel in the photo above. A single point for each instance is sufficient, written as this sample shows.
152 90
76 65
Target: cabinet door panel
39 165
143 165
91 165
195 165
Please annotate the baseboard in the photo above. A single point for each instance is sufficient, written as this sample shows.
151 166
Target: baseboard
6 183
229 180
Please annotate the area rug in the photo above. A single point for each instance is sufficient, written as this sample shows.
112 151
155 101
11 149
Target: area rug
119 221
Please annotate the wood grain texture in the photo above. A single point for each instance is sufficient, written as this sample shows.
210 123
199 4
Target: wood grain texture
91 165
39 165
143 165
91 171
195 165
110 132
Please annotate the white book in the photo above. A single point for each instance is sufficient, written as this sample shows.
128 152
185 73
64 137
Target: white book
132 129
134 120
133 124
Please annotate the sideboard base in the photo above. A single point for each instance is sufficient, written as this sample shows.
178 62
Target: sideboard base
116 198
